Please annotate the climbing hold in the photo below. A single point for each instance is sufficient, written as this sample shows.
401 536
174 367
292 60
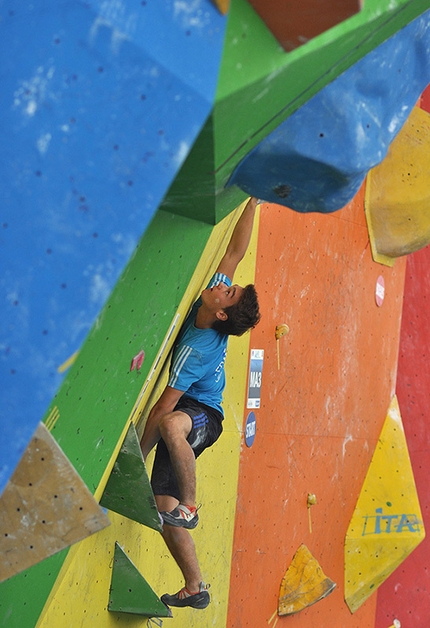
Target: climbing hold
317 159
397 193
128 490
304 583
380 291
129 591
311 501
137 361
280 331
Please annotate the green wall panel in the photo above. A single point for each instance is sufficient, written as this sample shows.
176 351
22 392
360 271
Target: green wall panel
99 392
260 86
23 597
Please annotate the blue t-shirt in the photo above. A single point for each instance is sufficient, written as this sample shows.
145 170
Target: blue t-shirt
197 366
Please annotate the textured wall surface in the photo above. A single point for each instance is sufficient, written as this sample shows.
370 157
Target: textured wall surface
106 105
321 413
406 594
97 117
318 158
87 161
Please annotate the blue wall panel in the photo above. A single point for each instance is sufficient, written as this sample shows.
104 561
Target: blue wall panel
100 104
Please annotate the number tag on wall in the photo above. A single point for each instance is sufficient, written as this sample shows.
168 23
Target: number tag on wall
250 429
254 382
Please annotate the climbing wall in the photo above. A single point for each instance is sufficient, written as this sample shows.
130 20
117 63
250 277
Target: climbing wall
94 305
318 397
406 594
143 546
89 418
97 124
322 408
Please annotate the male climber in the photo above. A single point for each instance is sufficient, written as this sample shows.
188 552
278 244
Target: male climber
188 416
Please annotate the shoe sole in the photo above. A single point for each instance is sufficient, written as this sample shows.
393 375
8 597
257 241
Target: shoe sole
199 604
179 523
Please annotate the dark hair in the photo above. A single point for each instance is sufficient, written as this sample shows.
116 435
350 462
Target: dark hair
244 315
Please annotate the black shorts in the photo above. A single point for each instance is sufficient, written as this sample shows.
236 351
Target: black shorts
206 429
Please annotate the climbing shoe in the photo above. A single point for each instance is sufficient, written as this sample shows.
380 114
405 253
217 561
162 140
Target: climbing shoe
200 599
181 517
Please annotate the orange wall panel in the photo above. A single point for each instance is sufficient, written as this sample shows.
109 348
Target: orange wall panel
321 412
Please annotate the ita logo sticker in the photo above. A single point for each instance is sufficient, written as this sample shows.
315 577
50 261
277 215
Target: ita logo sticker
250 429
254 382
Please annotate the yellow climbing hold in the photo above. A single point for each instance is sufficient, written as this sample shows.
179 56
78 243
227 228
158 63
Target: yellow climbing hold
303 584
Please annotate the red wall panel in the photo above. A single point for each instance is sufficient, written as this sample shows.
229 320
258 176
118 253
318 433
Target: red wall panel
406 594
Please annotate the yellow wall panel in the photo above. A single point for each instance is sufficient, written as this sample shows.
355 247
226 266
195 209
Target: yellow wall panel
87 569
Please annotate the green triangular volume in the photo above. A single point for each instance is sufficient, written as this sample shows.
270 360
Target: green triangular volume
129 591
128 490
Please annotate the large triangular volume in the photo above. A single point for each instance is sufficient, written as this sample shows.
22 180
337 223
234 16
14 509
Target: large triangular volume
387 523
398 193
304 583
128 490
129 591
45 507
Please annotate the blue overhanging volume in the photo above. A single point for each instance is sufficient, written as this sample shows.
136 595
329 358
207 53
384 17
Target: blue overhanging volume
317 160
